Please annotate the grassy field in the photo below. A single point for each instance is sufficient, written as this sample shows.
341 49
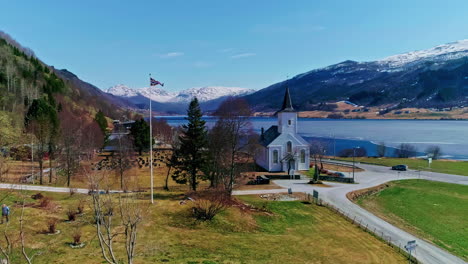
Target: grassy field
442 166
435 211
289 232
135 177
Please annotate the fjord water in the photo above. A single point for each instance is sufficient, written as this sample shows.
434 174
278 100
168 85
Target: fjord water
450 135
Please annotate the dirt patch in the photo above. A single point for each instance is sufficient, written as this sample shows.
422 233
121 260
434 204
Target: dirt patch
270 186
321 185
334 167
284 197
355 195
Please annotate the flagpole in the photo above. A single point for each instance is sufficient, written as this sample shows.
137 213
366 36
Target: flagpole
151 144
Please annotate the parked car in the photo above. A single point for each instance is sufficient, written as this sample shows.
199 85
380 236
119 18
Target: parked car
259 180
339 174
400 167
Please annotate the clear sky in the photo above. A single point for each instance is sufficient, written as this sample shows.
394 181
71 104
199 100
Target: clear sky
250 44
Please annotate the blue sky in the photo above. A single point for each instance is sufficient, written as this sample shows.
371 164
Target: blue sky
240 43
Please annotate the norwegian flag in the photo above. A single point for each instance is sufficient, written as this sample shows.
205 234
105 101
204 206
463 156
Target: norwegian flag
153 82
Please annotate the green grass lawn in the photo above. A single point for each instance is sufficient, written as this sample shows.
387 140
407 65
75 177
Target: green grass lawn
443 166
288 232
435 211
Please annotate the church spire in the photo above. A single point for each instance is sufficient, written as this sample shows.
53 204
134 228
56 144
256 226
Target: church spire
287 103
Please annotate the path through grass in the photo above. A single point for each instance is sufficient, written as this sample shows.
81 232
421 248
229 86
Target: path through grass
442 166
435 211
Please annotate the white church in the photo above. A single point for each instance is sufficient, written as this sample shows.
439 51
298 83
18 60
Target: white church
282 148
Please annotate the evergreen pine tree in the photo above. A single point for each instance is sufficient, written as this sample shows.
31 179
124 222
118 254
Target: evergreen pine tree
191 154
140 132
102 121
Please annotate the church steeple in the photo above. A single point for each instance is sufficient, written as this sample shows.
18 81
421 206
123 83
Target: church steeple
287 116
287 103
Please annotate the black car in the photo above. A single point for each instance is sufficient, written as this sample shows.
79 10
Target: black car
259 180
400 167
339 174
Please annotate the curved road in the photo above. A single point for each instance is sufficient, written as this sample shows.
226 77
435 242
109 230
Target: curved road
373 176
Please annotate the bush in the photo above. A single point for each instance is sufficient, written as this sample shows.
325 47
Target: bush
46 202
71 214
76 235
206 210
37 196
80 206
51 225
208 204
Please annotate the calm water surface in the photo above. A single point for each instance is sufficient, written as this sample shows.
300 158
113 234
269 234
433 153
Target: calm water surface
450 135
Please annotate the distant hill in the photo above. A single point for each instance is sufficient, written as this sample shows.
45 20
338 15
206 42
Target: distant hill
437 77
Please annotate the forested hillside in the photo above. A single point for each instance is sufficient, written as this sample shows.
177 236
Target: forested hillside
25 79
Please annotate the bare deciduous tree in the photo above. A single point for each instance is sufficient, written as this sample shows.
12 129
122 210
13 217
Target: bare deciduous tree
405 150
131 214
106 212
434 152
381 149
232 131
103 206
317 151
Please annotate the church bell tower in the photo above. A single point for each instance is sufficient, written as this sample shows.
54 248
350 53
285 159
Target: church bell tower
287 116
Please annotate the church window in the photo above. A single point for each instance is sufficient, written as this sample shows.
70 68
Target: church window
289 146
275 156
289 122
303 154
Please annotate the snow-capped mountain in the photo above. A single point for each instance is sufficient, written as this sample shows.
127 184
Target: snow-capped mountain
157 94
435 77
122 90
204 94
449 51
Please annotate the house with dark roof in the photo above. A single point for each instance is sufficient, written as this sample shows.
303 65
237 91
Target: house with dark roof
282 148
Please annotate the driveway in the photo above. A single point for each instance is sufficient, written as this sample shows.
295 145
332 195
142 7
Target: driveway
373 176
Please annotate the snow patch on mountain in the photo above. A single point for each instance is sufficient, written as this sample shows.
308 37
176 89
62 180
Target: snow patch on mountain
444 52
160 95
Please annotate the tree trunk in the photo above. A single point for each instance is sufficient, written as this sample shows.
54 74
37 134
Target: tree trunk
41 165
50 168
166 186
194 181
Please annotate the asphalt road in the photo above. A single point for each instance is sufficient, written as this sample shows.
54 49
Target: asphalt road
42 188
373 176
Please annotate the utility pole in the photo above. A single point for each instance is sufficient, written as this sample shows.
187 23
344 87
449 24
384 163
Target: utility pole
354 156
334 146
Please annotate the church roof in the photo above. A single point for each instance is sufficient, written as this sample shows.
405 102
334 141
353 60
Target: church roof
287 102
269 135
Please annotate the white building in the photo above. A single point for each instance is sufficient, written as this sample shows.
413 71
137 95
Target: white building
282 148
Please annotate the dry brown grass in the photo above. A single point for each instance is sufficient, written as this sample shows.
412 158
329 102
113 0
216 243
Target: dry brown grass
291 232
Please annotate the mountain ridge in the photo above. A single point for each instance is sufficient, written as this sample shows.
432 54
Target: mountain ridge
160 95
435 77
